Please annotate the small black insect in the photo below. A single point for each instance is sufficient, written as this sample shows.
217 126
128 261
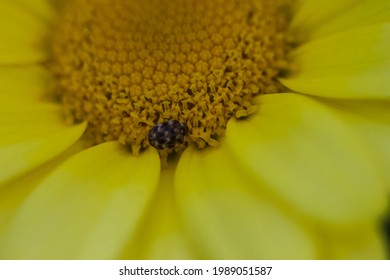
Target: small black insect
167 135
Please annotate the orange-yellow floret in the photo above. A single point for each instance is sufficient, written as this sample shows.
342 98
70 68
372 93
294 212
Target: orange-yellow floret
125 66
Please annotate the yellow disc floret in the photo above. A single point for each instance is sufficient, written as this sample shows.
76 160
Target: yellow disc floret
125 66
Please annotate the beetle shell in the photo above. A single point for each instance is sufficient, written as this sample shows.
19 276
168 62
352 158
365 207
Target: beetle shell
167 135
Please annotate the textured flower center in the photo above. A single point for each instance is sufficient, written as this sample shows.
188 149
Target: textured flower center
126 66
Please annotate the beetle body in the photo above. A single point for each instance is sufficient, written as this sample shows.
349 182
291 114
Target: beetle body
167 135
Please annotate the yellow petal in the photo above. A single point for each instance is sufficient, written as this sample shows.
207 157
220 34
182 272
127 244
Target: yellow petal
371 119
21 122
31 136
87 209
362 14
365 244
42 8
23 84
305 153
22 34
13 194
310 14
161 235
228 218
22 157
351 64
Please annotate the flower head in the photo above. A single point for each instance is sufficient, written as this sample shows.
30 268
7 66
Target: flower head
128 66
269 118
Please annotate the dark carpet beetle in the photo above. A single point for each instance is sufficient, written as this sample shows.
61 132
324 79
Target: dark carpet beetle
167 135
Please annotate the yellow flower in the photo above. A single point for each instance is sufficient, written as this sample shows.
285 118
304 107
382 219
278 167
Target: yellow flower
298 174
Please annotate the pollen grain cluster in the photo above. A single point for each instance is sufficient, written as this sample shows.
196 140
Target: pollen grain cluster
125 66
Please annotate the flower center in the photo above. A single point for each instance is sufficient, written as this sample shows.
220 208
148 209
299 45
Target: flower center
127 66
